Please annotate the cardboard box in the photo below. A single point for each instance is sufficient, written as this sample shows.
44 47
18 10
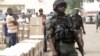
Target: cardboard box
36 21
36 30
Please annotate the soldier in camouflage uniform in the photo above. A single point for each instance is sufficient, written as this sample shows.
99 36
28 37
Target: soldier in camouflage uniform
79 27
97 21
61 36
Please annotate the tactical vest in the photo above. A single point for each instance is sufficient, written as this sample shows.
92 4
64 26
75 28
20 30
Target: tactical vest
77 21
63 31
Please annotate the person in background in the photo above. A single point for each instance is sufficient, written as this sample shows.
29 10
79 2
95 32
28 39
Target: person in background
5 29
41 14
36 13
79 27
97 21
23 18
43 22
28 15
12 26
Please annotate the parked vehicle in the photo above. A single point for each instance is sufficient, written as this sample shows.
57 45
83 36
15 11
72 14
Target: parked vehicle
90 19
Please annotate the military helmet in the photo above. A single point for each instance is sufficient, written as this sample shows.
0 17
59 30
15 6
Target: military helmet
57 2
77 9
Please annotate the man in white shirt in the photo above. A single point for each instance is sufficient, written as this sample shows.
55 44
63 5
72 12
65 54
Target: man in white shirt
12 28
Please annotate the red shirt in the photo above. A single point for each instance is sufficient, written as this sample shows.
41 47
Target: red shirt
43 18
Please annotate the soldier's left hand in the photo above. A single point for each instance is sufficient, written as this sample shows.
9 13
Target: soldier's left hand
84 32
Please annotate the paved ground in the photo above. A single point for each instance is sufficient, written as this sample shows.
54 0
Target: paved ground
2 46
92 41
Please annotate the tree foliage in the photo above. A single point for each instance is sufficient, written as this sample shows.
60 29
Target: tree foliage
74 4
77 4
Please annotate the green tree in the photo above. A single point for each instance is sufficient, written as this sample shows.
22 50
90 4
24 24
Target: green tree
98 0
77 4
74 4
91 0
88 0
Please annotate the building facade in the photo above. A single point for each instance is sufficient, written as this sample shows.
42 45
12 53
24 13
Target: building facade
91 8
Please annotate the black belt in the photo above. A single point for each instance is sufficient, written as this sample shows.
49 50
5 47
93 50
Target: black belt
67 42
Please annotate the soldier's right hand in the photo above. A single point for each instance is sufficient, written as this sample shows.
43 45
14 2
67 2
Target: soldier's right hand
54 53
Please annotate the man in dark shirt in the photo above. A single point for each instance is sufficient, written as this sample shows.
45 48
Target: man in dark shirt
79 27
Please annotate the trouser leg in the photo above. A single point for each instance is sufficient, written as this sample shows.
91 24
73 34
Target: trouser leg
80 42
45 40
68 50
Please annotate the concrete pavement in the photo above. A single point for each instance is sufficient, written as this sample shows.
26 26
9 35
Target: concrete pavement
92 41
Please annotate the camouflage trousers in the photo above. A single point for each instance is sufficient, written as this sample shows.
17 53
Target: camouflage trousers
67 50
79 40
45 39
80 36
97 25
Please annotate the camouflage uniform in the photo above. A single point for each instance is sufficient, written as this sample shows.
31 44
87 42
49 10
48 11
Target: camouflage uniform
64 47
98 21
78 26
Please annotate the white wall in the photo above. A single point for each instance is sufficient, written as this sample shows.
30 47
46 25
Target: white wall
4 9
95 6
30 4
48 6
